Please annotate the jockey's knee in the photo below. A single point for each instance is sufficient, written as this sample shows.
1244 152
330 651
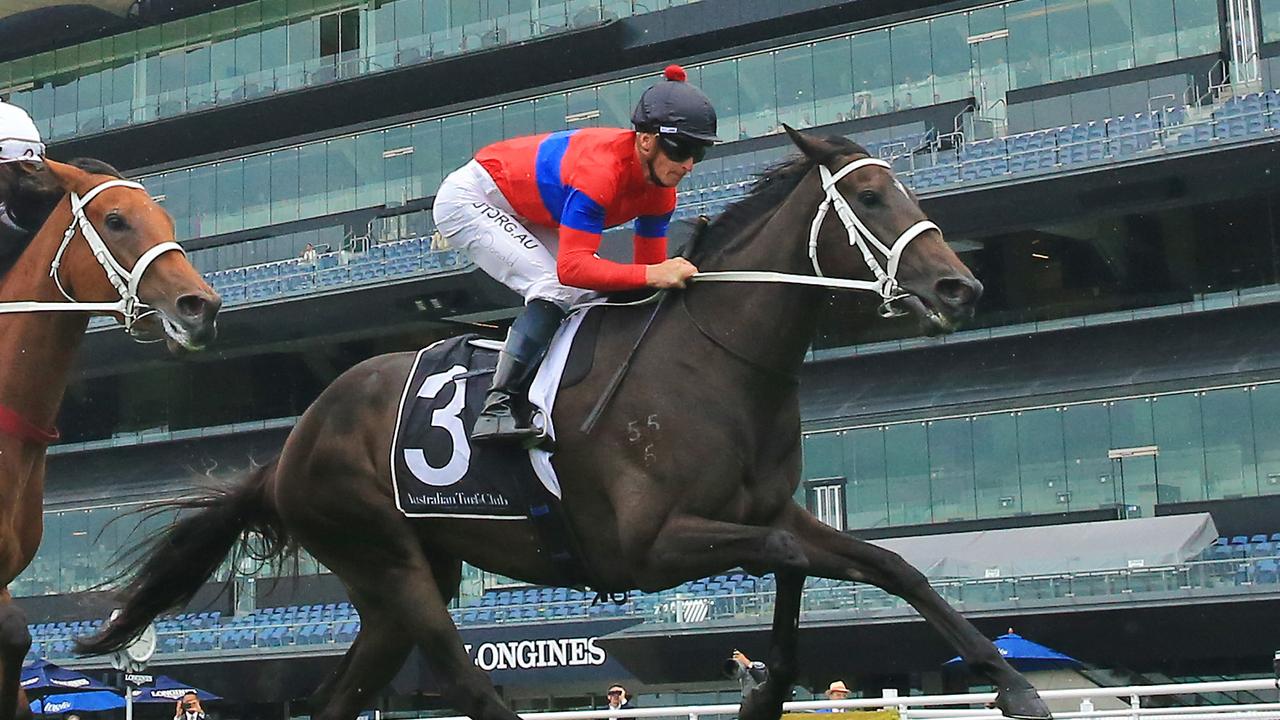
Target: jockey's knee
550 290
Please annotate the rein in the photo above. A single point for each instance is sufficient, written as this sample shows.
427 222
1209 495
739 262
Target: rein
885 285
125 281
787 377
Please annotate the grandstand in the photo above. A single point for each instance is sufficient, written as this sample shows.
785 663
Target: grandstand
1105 166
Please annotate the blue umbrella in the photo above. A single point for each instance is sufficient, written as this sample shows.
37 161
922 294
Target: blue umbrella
164 689
1023 654
91 701
43 676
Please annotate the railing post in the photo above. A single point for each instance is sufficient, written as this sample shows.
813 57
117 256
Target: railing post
1135 704
891 694
1086 705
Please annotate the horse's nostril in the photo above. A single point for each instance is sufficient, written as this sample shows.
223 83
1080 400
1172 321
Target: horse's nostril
958 291
197 308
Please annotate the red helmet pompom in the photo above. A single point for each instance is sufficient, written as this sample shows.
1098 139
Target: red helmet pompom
675 73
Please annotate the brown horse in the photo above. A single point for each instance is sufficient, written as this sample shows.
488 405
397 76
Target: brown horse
690 470
105 249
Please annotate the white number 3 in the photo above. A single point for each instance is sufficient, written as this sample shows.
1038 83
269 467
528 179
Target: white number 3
449 419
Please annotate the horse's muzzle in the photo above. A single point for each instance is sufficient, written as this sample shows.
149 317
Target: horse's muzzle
955 297
193 324
945 305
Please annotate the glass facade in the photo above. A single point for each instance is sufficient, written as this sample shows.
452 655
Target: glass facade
269 46
841 78
1131 453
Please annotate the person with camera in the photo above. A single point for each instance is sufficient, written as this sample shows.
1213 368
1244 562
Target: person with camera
618 700
747 672
189 708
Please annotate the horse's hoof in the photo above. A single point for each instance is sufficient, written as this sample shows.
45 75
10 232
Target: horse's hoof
1022 704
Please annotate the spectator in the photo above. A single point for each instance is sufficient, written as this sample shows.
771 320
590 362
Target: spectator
618 699
748 673
189 708
438 242
836 691
309 254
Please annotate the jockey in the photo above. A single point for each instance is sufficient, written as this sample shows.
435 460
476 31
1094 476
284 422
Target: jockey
20 152
530 212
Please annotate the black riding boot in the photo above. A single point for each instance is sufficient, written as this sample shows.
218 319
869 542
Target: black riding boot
527 342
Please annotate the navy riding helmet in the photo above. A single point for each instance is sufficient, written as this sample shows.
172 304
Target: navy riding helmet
676 108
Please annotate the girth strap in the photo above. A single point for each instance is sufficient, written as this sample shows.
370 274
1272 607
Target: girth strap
13 424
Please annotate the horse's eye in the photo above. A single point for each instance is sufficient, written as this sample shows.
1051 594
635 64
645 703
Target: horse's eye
868 198
116 222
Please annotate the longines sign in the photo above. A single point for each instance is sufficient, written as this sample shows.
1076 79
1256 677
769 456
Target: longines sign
540 653
518 654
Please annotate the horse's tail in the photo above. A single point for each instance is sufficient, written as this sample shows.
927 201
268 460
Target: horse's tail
176 562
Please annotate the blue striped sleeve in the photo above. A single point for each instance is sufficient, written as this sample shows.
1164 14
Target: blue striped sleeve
653 226
582 213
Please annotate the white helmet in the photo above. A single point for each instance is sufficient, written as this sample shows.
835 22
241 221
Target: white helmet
19 138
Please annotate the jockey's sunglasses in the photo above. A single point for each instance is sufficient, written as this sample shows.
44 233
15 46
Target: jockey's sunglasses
679 150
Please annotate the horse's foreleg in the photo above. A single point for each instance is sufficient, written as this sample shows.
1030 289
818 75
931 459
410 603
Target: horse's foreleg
15 641
833 554
687 547
765 700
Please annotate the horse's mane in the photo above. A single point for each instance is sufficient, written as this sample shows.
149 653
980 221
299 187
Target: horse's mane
767 192
33 196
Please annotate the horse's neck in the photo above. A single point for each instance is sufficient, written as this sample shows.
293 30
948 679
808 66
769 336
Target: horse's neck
37 349
771 323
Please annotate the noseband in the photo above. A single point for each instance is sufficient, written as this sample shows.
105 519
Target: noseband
125 282
886 283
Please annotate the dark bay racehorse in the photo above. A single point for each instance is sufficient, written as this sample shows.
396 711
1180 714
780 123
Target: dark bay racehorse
689 472
130 269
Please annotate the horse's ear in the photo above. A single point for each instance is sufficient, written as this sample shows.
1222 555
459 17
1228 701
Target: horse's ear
70 177
815 148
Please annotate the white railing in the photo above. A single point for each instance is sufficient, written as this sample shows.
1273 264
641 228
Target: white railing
917 706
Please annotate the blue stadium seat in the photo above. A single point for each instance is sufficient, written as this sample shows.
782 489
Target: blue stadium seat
1240 540
1268 572
1219 553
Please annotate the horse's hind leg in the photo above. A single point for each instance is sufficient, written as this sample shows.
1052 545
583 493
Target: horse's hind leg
765 700
833 554
401 603
377 653
379 648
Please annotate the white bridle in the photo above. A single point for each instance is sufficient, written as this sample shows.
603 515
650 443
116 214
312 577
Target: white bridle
124 281
885 284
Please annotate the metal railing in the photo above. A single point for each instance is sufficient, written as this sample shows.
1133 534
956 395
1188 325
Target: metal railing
971 706
1214 578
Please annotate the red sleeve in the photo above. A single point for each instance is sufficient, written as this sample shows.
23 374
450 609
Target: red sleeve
650 251
579 266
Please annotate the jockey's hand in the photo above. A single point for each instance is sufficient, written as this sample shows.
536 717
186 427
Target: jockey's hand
669 274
